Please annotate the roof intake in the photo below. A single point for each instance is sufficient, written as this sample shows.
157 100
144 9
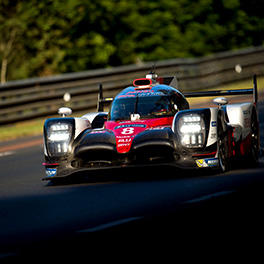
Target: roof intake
143 83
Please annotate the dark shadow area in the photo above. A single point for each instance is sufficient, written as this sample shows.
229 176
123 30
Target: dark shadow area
132 174
228 221
168 207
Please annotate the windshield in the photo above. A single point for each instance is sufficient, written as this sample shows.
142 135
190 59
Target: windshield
146 107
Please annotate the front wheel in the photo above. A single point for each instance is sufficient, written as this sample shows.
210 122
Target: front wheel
222 150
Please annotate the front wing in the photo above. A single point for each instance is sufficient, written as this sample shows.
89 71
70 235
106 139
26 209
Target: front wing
65 169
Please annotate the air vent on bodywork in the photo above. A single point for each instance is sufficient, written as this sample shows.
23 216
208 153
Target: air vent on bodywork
142 83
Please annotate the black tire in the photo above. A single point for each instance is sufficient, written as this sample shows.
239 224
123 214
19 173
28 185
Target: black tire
254 150
222 148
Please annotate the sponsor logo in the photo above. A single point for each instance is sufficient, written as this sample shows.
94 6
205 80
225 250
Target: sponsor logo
98 131
205 163
213 136
140 93
124 140
51 172
130 125
124 136
158 128
213 123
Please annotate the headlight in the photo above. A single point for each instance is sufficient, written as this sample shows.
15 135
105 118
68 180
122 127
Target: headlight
59 132
192 130
58 138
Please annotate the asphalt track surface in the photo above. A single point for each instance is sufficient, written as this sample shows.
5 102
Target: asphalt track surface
122 209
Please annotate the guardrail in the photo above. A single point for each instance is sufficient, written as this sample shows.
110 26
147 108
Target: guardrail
32 98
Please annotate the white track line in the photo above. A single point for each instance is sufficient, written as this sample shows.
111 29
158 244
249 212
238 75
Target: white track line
109 225
208 197
6 153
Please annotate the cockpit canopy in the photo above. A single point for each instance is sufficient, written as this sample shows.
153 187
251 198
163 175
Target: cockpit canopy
146 106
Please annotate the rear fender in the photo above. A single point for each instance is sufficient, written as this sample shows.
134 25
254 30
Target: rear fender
240 115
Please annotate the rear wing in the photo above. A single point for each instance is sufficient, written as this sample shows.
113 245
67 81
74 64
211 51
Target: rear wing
253 91
172 81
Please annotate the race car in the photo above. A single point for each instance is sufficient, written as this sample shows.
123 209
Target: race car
151 123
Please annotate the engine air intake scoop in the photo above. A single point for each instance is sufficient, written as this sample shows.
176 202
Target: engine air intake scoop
143 83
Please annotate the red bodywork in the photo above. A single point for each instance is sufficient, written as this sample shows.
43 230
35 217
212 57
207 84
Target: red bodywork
125 131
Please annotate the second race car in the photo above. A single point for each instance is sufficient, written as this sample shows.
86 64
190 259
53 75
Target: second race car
150 123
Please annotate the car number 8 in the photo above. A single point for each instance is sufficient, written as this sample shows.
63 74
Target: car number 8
127 131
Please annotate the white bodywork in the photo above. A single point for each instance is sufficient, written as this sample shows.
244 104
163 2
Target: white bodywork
91 116
85 122
80 125
239 116
212 136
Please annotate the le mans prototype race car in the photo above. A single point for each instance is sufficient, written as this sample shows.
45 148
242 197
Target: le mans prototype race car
151 123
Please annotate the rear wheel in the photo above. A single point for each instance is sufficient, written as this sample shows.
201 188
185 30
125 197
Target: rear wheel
254 151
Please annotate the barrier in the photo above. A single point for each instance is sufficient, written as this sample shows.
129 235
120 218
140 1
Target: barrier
32 98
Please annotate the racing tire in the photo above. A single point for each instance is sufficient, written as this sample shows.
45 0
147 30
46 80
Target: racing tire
222 149
254 150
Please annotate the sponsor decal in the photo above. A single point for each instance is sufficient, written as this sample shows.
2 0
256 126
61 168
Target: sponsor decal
205 163
51 172
213 136
140 93
124 136
158 128
150 94
124 140
130 125
98 131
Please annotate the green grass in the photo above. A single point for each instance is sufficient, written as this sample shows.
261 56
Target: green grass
25 128
35 127
21 129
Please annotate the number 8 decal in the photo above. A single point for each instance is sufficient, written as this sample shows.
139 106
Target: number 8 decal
127 131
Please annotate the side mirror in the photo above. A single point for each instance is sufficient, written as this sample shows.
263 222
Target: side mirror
64 111
220 101
134 117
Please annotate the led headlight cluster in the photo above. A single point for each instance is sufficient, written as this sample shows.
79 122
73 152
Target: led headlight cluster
191 128
58 138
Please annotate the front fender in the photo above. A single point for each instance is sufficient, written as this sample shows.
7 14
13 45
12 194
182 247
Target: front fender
208 123
94 140
154 137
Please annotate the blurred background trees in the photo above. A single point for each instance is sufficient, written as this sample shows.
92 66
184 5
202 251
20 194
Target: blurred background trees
41 38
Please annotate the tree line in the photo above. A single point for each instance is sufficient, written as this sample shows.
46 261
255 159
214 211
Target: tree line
46 37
